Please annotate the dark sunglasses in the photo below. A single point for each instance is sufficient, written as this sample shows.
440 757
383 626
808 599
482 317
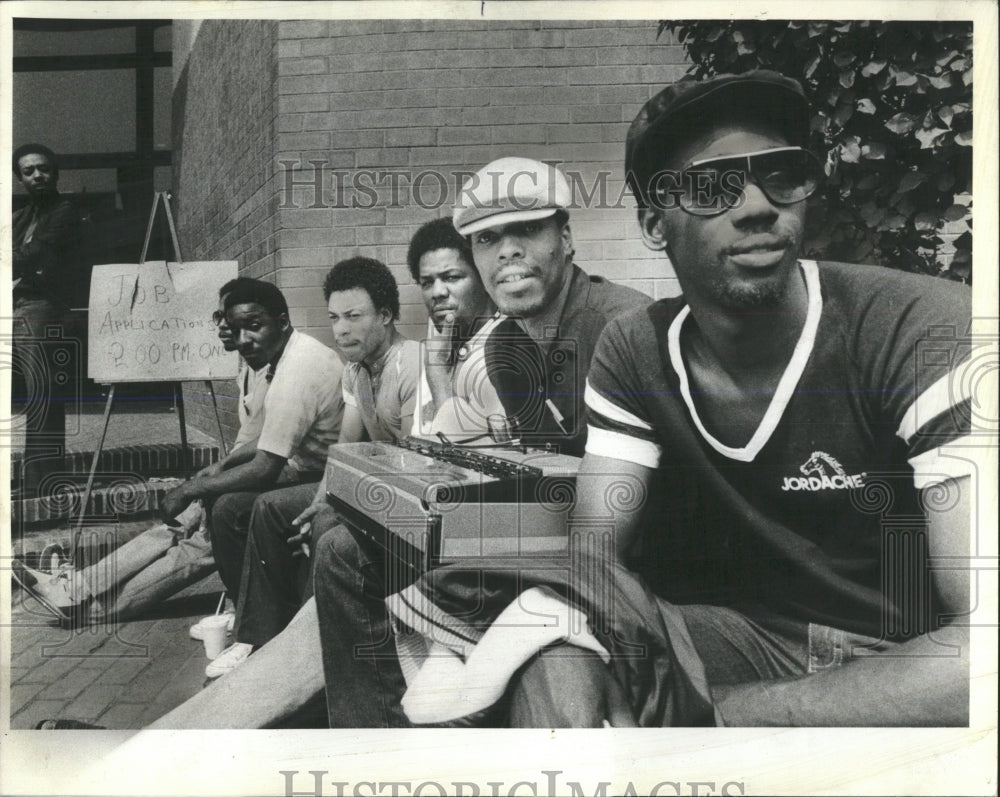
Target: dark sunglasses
218 317
710 187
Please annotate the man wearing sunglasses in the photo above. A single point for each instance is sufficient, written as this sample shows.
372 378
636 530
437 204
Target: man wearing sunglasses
786 427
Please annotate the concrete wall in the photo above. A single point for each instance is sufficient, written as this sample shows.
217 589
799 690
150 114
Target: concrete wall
300 143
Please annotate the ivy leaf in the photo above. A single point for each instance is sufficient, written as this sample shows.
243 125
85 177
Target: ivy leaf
901 123
843 58
873 68
847 78
903 78
874 151
842 114
928 138
925 222
866 106
964 139
945 181
911 180
946 114
850 151
955 213
942 82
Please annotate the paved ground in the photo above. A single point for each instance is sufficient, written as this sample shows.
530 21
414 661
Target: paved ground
122 676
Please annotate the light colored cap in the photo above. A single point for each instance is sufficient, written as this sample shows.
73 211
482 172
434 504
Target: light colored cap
508 190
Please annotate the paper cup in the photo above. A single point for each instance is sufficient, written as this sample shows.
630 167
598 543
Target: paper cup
216 627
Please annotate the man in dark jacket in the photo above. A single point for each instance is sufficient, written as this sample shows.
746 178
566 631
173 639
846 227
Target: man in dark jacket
46 235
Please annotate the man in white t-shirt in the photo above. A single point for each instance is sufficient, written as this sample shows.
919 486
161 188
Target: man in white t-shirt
162 560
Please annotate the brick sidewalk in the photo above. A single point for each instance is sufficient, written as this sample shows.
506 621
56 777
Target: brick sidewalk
122 676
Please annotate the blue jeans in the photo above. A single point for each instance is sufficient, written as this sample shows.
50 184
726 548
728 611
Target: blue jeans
274 582
364 684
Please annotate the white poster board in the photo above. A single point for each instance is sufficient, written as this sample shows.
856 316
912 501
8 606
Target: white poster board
153 322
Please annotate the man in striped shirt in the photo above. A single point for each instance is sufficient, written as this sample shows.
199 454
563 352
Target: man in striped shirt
801 432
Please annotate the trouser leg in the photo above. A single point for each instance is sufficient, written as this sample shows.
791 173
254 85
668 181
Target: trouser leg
364 684
230 524
127 560
185 563
36 391
273 578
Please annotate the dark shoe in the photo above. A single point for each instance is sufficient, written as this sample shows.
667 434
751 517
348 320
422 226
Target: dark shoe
67 725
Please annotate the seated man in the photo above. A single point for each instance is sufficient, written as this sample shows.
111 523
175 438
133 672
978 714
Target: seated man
162 560
455 396
769 411
534 228
379 389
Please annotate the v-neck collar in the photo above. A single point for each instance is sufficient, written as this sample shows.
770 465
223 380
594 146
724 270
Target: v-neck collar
786 386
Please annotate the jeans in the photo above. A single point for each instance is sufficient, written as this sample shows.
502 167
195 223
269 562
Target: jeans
231 525
147 569
364 684
275 582
758 645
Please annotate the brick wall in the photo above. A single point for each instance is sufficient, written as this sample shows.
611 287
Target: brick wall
224 172
384 106
371 98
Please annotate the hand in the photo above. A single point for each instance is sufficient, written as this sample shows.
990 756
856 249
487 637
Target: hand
439 354
175 502
304 524
568 687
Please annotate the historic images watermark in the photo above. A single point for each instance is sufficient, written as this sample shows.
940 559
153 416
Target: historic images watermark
319 783
314 185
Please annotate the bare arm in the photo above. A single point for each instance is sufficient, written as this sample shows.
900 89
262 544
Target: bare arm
578 691
259 473
923 682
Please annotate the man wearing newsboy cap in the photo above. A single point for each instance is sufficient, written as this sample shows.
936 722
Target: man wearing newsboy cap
514 212
802 442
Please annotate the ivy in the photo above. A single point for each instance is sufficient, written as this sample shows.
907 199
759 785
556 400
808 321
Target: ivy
891 107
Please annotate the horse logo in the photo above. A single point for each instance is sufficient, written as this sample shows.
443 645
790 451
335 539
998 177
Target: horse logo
822 464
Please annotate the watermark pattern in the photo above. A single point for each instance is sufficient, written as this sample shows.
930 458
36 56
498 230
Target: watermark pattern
547 784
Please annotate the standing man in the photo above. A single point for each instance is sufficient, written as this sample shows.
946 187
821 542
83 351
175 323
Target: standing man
46 237
379 393
772 408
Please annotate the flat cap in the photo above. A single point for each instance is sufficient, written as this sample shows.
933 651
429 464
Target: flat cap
508 190
689 105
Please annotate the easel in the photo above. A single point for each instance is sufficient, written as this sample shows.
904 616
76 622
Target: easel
178 392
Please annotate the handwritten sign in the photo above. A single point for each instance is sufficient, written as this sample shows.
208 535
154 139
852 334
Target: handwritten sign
153 322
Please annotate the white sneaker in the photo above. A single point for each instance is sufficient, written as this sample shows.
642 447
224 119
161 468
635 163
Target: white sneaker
227 661
197 631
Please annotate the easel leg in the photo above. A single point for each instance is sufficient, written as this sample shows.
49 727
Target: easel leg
218 419
90 477
186 459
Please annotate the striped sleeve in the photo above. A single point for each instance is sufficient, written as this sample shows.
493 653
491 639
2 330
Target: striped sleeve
932 364
618 426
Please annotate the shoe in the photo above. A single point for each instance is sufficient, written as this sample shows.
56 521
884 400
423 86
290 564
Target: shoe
53 558
54 592
197 631
231 658
67 725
